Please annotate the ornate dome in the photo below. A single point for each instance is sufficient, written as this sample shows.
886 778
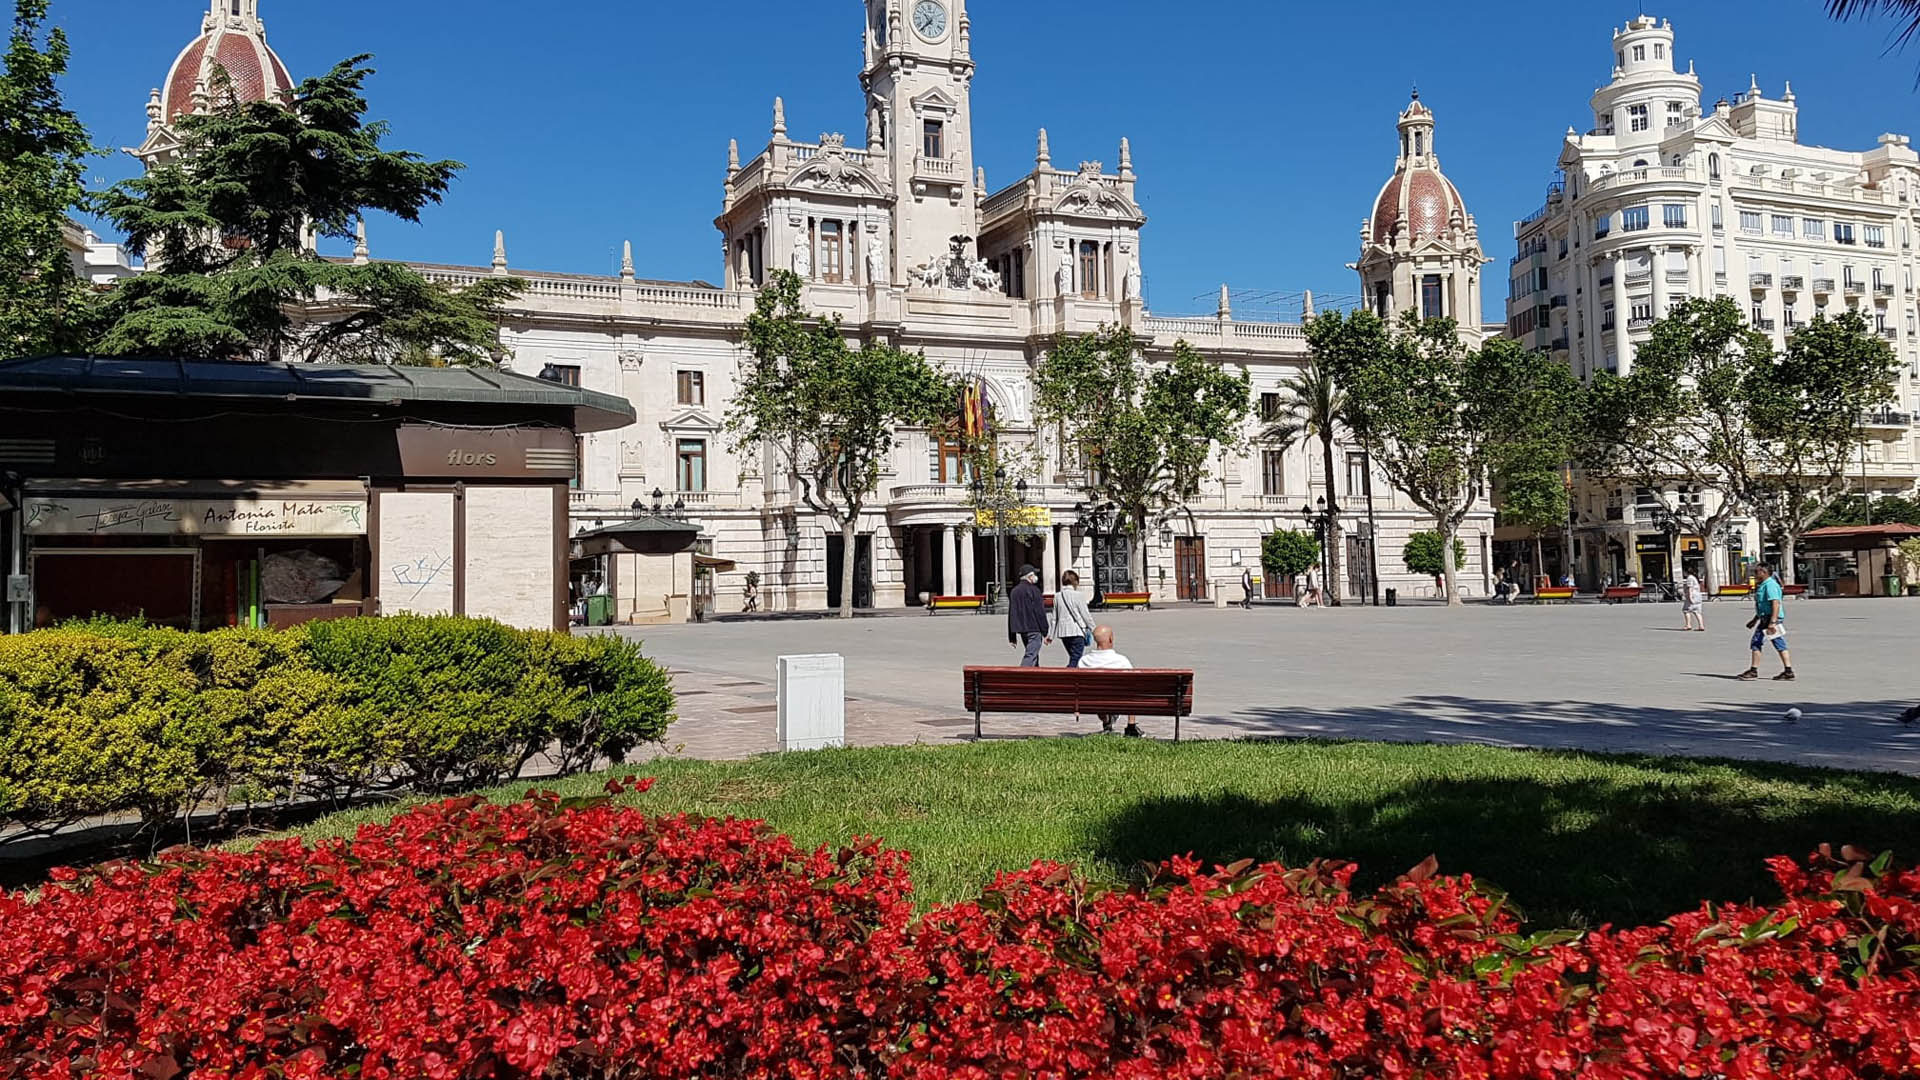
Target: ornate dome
234 40
1418 193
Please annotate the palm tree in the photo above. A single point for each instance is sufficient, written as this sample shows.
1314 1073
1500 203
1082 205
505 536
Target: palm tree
1313 406
1907 11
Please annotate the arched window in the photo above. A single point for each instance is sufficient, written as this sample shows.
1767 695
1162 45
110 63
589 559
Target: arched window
1640 163
1419 143
1713 166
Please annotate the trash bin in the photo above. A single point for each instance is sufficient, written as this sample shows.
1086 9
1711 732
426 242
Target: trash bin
1393 597
1890 585
600 610
1220 592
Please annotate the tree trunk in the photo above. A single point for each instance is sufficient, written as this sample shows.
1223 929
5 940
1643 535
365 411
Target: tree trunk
849 560
1789 546
1539 560
1137 552
1330 559
1446 561
1712 583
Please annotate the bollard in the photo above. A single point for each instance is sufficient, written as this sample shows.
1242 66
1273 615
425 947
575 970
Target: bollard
1393 597
812 692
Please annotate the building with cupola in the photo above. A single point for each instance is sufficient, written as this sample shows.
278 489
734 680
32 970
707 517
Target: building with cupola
1663 198
1420 248
892 225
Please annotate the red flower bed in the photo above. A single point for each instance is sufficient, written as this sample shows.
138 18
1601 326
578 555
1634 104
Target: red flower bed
550 939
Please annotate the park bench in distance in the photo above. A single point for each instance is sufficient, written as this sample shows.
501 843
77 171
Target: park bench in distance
1078 692
1554 594
1117 600
1621 594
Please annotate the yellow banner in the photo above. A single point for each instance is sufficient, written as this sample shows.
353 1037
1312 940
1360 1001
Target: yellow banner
1014 517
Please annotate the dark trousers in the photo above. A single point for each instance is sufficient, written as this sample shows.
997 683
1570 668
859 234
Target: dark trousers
1076 648
1034 641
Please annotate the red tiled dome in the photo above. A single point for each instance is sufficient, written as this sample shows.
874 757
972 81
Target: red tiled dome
256 74
1427 199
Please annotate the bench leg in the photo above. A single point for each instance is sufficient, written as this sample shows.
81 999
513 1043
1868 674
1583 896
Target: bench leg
977 735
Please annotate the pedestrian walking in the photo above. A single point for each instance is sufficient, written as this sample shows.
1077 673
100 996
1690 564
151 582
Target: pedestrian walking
1246 588
1072 619
1027 617
1692 604
1769 625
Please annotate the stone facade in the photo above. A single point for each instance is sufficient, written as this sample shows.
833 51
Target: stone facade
1662 200
902 239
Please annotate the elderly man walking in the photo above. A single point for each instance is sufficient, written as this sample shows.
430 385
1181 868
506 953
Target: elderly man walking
1027 617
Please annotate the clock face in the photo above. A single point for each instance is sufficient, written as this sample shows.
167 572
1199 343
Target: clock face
930 19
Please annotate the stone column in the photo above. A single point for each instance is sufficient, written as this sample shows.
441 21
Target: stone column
1659 281
1063 543
949 563
1696 281
969 582
1622 344
1050 562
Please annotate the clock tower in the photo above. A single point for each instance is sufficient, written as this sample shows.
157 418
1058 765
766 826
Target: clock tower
918 80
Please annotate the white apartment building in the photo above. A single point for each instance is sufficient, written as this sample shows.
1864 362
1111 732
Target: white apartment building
903 239
1661 200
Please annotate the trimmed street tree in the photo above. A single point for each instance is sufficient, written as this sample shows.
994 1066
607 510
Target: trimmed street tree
1312 407
1534 497
1440 417
226 230
43 154
1289 553
1148 436
1804 410
828 410
1425 554
1681 417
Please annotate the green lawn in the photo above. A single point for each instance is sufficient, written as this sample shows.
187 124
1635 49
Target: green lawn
1577 838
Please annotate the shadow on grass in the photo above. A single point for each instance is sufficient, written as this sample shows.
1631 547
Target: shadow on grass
1571 853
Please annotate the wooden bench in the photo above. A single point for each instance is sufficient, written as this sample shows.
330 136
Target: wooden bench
1555 594
938 604
1129 600
1621 594
1077 692
1794 590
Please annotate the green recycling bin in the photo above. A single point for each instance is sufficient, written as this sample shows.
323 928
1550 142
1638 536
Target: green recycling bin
599 611
1890 585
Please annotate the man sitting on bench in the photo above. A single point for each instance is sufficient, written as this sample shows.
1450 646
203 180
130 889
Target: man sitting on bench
1102 657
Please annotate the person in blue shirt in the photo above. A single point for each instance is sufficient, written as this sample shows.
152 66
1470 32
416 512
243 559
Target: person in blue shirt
1769 623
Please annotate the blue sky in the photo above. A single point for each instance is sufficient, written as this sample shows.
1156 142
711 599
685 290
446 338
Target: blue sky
1261 131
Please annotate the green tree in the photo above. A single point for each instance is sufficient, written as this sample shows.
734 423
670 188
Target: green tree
1425 553
1148 436
1804 410
1682 417
1312 406
1440 417
828 410
43 154
1534 497
1850 510
1289 553
228 227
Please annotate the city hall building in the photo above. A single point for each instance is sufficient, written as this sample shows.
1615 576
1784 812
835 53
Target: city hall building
896 230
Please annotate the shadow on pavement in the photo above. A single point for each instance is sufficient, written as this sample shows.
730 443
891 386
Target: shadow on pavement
1653 843
1853 735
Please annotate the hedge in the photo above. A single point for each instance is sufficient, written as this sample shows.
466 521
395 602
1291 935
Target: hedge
104 719
586 940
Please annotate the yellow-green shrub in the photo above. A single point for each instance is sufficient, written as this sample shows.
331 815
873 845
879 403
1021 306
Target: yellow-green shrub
99 719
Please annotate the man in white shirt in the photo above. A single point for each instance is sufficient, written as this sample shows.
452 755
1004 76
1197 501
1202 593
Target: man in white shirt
1102 658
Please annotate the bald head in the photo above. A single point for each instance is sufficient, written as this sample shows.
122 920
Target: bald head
1103 637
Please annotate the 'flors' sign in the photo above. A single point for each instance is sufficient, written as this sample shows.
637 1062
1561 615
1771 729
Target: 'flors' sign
245 516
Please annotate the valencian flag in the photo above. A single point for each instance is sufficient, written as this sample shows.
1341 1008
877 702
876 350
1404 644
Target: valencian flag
974 409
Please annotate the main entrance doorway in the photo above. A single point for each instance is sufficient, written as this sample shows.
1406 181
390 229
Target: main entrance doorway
862 570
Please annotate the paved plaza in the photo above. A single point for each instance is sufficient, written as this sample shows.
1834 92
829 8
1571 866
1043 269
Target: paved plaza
1589 677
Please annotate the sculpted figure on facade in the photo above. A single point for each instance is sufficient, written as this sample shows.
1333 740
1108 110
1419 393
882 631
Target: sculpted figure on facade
1131 284
803 261
877 264
1063 277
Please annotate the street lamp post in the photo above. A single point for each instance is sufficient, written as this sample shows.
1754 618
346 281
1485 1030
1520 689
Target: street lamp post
1099 521
993 498
1321 521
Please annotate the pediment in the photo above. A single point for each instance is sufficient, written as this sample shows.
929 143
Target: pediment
1088 199
835 174
935 100
1716 129
696 420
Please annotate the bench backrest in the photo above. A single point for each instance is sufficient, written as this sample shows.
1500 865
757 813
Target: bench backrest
1078 691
